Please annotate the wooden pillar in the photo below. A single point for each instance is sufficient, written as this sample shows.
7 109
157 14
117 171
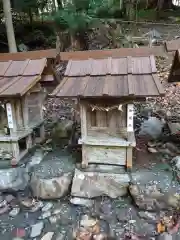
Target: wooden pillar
11 116
29 142
130 133
15 150
42 132
25 113
19 116
83 116
83 120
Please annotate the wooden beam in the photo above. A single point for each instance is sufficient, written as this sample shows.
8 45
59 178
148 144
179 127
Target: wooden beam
129 157
82 55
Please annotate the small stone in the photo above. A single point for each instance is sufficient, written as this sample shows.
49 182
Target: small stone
83 234
152 150
147 215
100 236
37 206
3 203
61 236
45 215
151 144
172 147
9 198
87 222
166 151
82 201
14 212
4 209
54 219
56 211
47 207
27 203
48 236
36 229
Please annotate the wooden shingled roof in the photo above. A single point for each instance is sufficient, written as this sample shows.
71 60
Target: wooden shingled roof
17 77
111 77
173 45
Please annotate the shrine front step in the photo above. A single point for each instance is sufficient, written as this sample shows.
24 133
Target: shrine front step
107 155
104 168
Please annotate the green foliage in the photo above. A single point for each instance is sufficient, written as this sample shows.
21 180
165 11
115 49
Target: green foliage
76 17
148 14
81 15
25 5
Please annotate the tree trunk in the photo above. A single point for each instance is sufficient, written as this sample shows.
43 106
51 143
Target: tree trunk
30 17
9 26
75 43
53 6
159 7
59 2
130 10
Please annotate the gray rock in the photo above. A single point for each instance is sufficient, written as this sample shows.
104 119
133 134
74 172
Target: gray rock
54 219
90 184
36 229
62 129
147 215
172 147
82 201
153 198
176 161
36 158
9 198
165 236
48 236
47 207
152 127
51 179
14 212
45 215
61 236
51 188
14 179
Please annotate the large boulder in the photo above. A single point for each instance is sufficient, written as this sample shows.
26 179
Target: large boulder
94 184
152 128
13 179
62 129
51 179
151 198
51 188
153 190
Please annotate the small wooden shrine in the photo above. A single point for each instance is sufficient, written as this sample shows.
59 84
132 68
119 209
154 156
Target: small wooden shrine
21 105
174 75
106 89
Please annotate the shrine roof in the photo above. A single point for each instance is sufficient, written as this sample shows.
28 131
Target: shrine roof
174 75
19 76
110 77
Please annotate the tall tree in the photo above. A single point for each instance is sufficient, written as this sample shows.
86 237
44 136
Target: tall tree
9 26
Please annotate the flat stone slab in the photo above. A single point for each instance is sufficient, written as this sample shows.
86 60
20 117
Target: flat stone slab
94 184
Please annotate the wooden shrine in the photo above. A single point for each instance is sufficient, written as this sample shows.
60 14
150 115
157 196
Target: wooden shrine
21 106
174 75
106 90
